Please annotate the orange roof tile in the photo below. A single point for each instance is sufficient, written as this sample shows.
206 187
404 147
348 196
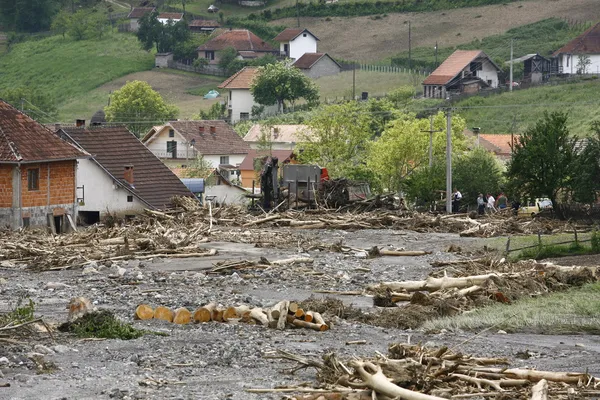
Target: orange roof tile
501 142
452 67
241 79
173 16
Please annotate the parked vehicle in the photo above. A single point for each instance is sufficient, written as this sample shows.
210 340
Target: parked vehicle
535 208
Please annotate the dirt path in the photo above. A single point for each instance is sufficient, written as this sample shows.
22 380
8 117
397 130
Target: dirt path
365 38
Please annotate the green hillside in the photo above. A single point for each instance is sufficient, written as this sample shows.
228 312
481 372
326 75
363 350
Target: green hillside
65 68
496 113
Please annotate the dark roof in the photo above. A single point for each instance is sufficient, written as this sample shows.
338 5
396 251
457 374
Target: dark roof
166 15
453 65
291 33
98 118
248 163
241 79
139 12
205 23
309 59
222 142
113 147
239 39
586 43
23 139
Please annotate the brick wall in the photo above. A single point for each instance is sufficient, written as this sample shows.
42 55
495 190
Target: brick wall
6 191
61 185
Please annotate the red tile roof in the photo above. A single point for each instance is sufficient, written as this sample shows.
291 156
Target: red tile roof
248 163
239 39
452 66
501 143
139 12
292 33
113 147
309 59
241 79
23 139
205 23
586 43
173 16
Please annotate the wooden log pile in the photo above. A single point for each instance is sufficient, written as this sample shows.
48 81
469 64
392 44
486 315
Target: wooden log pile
414 372
282 315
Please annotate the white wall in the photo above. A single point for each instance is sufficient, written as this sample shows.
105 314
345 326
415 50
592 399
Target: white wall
101 193
241 101
275 145
165 20
570 63
302 44
226 194
234 159
488 73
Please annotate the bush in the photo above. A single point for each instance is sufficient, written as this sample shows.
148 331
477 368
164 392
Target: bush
595 241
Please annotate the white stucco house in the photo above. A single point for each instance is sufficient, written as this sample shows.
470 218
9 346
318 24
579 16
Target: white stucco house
294 42
179 143
581 55
122 176
239 99
165 17
465 71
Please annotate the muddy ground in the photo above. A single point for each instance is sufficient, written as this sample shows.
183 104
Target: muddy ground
220 361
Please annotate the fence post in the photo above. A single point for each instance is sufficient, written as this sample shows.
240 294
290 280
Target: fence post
575 233
508 246
540 238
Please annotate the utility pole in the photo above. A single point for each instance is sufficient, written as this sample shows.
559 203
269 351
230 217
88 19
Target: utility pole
297 14
449 161
409 48
511 64
436 47
512 133
431 132
353 81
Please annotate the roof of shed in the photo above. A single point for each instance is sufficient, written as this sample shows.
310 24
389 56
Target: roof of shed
586 43
239 39
173 16
248 163
113 147
139 12
241 79
285 133
205 23
453 65
22 139
309 59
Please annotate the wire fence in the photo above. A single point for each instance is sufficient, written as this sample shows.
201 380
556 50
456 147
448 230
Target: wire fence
579 237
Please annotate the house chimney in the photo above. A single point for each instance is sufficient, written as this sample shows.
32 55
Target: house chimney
201 130
213 130
57 127
80 123
128 175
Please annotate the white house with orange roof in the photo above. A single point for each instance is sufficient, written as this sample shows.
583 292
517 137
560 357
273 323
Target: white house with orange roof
295 42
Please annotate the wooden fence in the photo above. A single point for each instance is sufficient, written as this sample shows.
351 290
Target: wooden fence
577 240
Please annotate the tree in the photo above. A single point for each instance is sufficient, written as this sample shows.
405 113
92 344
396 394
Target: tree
28 15
338 139
423 186
583 63
199 168
37 103
61 22
403 147
139 107
279 83
229 61
165 37
216 111
586 178
542 160
474 172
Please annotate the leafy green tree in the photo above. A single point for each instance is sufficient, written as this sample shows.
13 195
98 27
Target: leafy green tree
61 22
139 106
78 27
199 168
164 37
586 178
423 186
216 111
229 62
474 172
543 158
28 15
279 83
39 104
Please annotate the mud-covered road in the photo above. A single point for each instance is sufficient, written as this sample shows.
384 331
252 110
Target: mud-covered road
220 361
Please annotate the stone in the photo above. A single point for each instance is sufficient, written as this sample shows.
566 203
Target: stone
89 271
40 348
60 348
3 281
21 378
56 285
4 361
116 271
579 345
501 332
361 254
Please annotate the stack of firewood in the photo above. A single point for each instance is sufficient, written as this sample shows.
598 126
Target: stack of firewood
281 315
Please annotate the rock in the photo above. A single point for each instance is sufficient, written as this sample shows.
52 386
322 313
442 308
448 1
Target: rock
501 332
56 285
60 348
21 378
4 361
89 271
117 272
361 254
3 281
579 345
40 348
1 374
6 264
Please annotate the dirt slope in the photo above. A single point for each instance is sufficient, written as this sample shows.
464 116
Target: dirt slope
364 38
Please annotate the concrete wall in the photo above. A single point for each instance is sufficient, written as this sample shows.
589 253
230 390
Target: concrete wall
302 44
275 145
324 67
488 73
162 60
226 194
134 24
241 101
434 91
100 193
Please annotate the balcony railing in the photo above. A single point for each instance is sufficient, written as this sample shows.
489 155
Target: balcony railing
181 154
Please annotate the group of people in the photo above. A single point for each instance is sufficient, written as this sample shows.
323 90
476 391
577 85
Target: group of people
490 204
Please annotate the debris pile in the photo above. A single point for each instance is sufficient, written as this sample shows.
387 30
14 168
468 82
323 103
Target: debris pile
415 372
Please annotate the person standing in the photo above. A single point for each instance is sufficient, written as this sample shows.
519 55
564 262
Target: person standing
490 203
502 201
480 204
456 197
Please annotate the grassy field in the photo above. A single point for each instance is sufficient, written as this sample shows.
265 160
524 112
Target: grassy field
517 242
375 83
66 68
496 113
574 311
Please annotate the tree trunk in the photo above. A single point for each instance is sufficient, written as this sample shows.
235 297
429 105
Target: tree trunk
540 390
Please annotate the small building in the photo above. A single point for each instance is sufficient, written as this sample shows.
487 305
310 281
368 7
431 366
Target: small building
239 98
465 71
203 25
278 137
581 55
221 190
179 143
249 172
135 14
498 144
536 68
241 40
315 65
122 177
165 17
295 42
38 178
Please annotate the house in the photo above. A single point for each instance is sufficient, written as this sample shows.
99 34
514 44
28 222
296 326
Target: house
248 172
581 55
282 137
135 14
241 40
180 142
37 174
536 68
295 42
465 71
315 65
122 177
221 190
239 99
165 17
498 144
203 25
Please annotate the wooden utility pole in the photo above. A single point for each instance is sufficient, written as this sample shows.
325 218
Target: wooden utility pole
431 132
511 64
409 48
449 161
436 48
297 15
353 81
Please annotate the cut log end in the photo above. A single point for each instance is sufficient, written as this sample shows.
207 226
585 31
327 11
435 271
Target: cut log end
164 313
182 316
144 312
203 314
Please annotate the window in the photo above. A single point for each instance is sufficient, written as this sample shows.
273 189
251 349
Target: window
223 160
489 81
130 199
33 179
209 55
304 35
244 116
171 133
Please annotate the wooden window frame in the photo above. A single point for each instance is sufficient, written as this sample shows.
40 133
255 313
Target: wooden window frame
33 179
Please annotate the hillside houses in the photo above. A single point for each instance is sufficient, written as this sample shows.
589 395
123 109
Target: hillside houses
246 43
581 55
295 42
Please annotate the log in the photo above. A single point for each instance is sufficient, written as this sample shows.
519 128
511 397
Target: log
397 297
182 316
404 253
535 376
293 260
203 314
498 384
283 312
258 314
373 377
293 307
143 312
470 290
432 284
261 221
308 316
243 313
163 313
310 325
216 314
318 319
229 314
540 390
299 313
